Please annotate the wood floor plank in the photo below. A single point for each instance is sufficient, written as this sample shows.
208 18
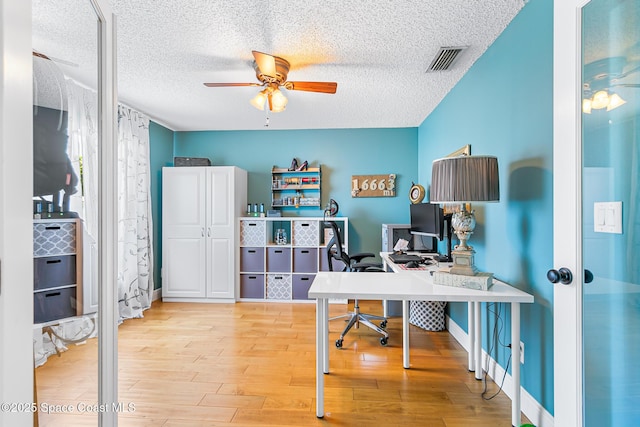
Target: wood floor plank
253 364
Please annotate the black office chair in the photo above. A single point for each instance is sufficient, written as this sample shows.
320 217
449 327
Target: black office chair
354 263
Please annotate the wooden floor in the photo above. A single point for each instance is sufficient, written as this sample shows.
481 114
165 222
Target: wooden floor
253 364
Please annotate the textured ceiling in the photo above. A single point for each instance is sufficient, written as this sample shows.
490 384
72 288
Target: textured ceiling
377 52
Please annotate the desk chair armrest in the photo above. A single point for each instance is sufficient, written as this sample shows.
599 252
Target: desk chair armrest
360 256
367 266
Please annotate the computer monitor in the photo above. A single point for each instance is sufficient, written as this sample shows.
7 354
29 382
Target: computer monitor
427 220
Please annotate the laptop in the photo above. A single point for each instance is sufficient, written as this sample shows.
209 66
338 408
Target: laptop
404 258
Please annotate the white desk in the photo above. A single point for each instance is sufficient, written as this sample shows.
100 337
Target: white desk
406 286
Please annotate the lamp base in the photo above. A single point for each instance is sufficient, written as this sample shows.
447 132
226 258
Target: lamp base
463 262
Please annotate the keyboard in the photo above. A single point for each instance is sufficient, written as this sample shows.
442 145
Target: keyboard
404 258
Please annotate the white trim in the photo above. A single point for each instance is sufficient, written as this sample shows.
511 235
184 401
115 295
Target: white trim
16 211
156 294
567 208
107 217
529 405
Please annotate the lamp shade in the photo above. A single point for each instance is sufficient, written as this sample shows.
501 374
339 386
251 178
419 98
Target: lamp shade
465 179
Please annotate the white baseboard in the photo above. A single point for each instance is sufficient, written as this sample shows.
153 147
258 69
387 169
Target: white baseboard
156 295
533 410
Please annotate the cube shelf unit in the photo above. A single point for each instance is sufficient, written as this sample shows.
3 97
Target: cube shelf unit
57 269
295 189
284 272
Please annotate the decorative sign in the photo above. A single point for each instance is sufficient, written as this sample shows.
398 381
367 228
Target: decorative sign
373 185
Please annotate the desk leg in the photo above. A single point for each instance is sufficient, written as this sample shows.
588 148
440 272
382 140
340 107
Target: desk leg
385 303
515 363
321 343
405 334
478 339
325 334
471 332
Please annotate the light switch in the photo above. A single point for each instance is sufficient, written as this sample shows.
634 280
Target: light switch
607 217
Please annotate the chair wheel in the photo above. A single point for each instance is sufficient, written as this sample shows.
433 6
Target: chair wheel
339 343
383 340
383 324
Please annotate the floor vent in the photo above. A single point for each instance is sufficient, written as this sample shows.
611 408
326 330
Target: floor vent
445 58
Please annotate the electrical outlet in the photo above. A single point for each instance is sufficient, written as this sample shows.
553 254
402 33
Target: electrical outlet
521 353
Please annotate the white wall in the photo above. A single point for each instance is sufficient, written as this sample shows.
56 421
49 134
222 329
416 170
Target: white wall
16 229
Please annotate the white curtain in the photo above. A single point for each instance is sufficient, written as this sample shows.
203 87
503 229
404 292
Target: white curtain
83 151
135 255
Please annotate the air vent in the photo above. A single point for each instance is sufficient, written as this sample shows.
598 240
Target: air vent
445 58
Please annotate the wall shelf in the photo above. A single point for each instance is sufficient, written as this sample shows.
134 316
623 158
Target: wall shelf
295 189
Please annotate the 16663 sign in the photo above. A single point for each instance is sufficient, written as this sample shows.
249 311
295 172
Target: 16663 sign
373 185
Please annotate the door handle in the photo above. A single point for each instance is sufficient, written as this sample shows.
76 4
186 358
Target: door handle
588 276
563 275
202 231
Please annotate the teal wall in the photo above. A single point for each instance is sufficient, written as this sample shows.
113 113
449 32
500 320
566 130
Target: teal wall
340 152
503 106
161 153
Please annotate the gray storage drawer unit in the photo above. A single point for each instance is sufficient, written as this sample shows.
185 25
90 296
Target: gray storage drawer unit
305 260
252 259
278 260
252 286
324 263
54 271
54 304
301 285
57 269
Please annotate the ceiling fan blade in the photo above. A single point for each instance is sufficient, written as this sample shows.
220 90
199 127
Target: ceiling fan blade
51 58
322 87
626 73
636 85
266 63
231 84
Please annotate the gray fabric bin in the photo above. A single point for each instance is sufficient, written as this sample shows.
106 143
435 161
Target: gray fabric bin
301 285
278 260
54 304
54 271
305 260
252 259
252 286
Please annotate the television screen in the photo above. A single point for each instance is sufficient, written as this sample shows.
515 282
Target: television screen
427 220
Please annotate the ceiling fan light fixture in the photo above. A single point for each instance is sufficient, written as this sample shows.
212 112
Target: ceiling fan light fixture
600 100
615 101
278 101
259 100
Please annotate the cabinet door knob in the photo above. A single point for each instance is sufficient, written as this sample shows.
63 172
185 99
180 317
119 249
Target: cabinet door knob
202 231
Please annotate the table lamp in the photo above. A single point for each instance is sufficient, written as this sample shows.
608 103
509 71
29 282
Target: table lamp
462 180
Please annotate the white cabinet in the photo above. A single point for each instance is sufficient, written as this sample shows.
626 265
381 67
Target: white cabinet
199 231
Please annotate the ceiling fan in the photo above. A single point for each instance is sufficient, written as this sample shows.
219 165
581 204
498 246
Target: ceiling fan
600 77
272 73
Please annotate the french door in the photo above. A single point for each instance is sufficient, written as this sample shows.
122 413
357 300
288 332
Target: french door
596 212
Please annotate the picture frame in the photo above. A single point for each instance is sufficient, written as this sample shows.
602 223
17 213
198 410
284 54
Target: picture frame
462 151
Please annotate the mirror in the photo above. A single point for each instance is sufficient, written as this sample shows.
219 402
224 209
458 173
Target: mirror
65 208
